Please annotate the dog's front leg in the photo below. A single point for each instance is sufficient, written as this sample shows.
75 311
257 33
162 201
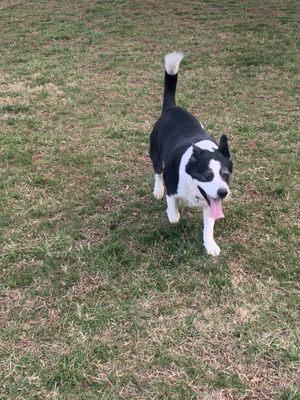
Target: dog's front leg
208 234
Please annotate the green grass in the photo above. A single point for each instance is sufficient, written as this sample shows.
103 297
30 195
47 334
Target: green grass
100 297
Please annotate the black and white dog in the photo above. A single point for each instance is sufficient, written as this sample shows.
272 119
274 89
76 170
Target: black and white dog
187 162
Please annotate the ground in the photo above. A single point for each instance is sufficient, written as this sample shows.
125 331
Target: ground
100 297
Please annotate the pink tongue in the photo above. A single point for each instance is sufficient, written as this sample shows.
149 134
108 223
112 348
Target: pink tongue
216 211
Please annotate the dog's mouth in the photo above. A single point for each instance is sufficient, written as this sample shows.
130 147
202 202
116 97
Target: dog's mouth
215 205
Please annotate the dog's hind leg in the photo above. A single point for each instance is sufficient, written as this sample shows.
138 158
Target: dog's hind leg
159 189
172 210
155 155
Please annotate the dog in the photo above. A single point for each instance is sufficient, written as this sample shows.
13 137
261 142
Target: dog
188 164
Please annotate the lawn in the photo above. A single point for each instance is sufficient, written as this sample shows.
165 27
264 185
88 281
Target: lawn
100 297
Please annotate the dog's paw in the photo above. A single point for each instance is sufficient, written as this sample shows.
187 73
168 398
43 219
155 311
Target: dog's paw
173 216
212 248
159 192
159 189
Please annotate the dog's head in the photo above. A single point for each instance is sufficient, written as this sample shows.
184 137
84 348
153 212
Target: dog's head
211 169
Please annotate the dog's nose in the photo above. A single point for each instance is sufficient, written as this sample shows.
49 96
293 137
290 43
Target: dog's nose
222 193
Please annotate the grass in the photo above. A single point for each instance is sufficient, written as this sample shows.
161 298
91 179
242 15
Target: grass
100 296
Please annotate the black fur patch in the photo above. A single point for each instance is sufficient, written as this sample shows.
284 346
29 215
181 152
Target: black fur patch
198 165
223 146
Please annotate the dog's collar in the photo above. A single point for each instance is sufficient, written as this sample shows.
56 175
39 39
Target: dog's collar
204 194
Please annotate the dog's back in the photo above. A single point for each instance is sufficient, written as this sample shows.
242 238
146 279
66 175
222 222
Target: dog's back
177 128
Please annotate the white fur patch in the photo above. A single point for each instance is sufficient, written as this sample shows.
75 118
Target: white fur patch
172 210
215 166
159 188
172 61
212 248
206 145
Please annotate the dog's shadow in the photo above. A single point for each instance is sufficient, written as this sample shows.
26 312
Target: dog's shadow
145 237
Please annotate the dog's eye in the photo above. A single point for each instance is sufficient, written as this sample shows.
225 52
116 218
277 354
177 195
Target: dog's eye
226 175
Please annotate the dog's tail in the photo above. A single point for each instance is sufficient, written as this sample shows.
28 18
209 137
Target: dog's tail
172 61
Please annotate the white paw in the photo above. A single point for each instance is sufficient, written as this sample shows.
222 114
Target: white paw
159 189
173 216
212 248
159 192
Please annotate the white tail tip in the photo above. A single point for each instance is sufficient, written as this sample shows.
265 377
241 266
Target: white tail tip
172 61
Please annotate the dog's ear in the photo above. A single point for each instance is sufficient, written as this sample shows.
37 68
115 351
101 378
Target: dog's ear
197 153
223 146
